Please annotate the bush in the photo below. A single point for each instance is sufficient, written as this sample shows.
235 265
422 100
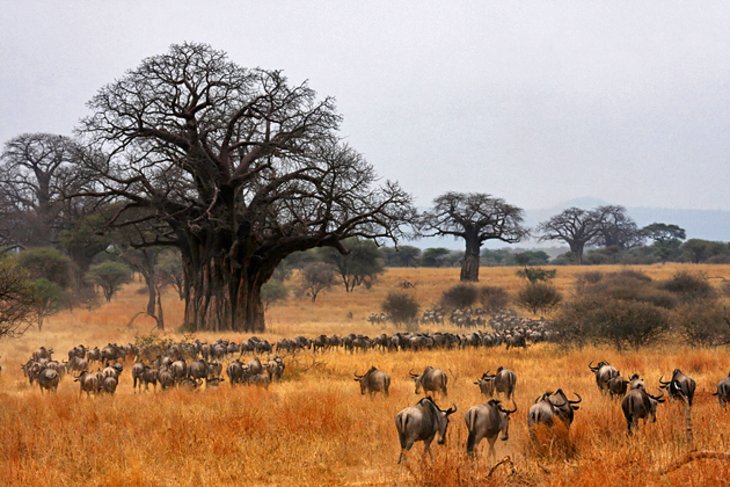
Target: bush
538 297
582 281
689 287
272 292
537 274
47 263
459 296
493 299
605 319
401 308
704 324
630 286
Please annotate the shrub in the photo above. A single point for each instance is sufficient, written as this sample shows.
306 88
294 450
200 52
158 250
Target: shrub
272 292
606 319
537 274
493 299
47 263
702 323
459 296
401 308
689 287
538 297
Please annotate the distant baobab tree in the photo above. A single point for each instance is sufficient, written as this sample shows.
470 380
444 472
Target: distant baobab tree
475 217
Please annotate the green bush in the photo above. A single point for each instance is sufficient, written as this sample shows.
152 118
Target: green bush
704 323
272 292
47 263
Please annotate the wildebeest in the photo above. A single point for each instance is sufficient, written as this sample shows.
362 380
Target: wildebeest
430 380
617 387
109 384
604 372
680 387
549 406
48 379
639 404
487 421
723 391
421 423
636 382
503 381
373 381
137 373
88 383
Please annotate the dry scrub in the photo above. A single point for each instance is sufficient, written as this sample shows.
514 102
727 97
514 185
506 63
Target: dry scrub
315 428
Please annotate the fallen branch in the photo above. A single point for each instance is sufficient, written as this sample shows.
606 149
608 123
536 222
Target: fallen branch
506 460
695 455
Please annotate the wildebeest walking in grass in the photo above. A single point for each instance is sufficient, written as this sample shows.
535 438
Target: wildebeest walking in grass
487 421
422 422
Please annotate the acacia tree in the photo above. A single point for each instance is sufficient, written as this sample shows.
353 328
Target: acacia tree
241 166
574 226
475 217
360 265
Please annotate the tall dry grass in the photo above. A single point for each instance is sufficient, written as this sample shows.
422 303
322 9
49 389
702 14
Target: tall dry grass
314 428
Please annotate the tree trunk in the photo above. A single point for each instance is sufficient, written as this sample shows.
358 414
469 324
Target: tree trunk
470 264
222 294
576 248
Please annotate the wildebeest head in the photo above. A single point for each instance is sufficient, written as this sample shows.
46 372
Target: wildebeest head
681 386
504 416
596 368
441 416
363 379
486 383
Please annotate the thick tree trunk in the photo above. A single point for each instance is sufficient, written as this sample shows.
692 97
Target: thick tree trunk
222 294
470 265
576 248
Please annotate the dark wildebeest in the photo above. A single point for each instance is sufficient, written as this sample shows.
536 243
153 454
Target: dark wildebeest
487 421
373 381
636 382
137 373
617 387
48 379
639 404
723 391
421 423
109 384
235 372
680 387
430 380
550 406
88 383
503 381
604 372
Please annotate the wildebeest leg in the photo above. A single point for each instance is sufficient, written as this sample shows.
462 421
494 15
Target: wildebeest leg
427 449
492 451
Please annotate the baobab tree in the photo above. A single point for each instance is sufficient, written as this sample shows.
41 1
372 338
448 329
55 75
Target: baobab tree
475 217
242 167
574 226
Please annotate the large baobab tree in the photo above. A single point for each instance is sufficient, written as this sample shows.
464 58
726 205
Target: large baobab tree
242 167
475 217
574 226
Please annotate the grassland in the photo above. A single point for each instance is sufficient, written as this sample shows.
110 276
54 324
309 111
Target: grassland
314 428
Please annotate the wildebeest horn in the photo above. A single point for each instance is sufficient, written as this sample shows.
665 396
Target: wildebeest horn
664 383
657 398
580 399
509 411
358 377
412 374
452 409
590 366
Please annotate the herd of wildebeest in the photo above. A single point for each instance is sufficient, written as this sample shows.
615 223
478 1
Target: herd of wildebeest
194 363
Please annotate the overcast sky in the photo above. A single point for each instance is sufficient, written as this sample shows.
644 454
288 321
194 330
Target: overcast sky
537 103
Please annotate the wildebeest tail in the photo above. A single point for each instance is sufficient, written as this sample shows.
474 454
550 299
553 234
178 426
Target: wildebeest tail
402 429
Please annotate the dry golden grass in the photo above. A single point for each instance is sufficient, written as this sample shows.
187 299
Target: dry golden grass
315 428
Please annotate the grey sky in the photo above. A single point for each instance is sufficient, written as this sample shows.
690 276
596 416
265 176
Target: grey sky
535 102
